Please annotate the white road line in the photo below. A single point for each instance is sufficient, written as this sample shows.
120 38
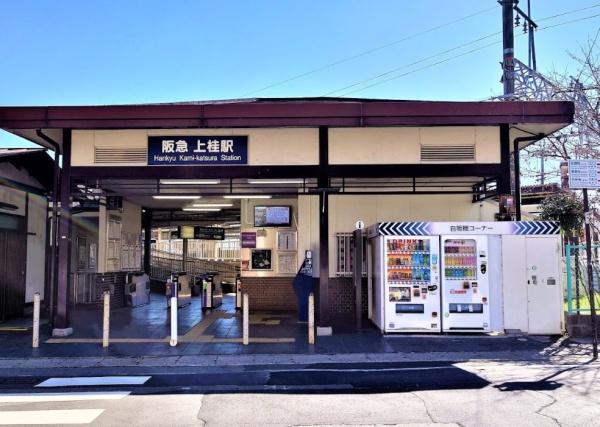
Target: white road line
57 416
61 397
93 381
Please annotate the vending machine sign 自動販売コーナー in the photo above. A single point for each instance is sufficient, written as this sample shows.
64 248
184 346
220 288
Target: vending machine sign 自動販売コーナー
465 283
411 296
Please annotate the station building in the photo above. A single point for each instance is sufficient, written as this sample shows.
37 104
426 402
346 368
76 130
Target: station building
129 170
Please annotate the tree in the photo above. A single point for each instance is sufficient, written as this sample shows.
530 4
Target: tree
565 208
582 138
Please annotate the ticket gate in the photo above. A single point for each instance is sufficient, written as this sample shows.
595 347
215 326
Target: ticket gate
212 293
178 286
238 293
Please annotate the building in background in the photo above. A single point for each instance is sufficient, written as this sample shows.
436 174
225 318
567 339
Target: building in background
25 180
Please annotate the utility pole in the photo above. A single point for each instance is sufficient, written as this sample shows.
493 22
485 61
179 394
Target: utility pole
590 273
508 48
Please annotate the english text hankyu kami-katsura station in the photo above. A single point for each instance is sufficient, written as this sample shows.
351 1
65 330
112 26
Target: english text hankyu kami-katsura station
401 216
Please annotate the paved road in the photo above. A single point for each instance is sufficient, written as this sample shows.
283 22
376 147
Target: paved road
467 393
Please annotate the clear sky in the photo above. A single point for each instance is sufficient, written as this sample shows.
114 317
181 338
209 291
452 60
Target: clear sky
126 51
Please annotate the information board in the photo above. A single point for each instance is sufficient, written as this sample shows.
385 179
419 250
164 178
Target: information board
584 173
209 233
186 232
272 216
248 239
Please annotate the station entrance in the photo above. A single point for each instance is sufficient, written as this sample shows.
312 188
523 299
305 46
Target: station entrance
210 239
128 172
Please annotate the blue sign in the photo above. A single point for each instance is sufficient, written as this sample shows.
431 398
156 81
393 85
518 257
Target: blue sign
197 150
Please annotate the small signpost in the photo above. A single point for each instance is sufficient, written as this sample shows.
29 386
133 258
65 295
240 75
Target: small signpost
585 174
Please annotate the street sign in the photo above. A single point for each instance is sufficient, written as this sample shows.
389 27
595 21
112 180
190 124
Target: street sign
584 173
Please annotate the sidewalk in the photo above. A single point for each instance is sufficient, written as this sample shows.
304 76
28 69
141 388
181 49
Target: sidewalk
367 346
213 338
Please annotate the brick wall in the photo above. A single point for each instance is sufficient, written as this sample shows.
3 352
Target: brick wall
341 295
270 293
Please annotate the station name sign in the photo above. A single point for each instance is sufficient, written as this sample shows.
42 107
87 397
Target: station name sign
198 150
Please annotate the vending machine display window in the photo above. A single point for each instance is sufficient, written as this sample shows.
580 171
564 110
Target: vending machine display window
460 259
408 261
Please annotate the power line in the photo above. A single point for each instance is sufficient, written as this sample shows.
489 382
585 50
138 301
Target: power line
569 12
445 52
413 63
367 52
454 57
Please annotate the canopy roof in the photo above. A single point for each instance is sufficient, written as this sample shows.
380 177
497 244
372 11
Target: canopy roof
525 117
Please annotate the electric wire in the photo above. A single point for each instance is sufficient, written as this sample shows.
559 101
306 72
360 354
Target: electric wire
444 60
569 12
367 52
393 70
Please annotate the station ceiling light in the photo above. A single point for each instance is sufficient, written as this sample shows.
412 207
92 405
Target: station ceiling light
247 196
190 181
275 181
202 209
174 197
212 205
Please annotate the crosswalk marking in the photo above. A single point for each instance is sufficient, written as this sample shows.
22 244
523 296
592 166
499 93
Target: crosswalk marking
54 416
61 397
93 381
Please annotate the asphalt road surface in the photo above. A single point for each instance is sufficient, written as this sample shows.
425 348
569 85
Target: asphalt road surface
421 393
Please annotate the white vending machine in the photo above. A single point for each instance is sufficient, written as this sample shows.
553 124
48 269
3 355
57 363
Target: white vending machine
408 284
465 283
466 276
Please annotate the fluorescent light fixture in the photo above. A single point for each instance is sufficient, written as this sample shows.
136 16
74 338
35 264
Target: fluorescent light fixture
275 181
232 234
234 225
190 181
212 205
202 209
168 197
247 196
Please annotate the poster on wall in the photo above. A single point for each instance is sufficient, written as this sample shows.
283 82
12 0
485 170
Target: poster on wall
93 252
261 259
286 263
286 240
248 239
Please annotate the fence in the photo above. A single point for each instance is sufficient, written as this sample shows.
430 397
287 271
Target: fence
163 264
344 254
228 249
577 297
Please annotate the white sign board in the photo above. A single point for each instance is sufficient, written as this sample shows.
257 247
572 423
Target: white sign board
584 173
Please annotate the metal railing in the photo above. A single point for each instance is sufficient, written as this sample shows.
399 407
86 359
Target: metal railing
577 292
344 244
220 250
163 264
